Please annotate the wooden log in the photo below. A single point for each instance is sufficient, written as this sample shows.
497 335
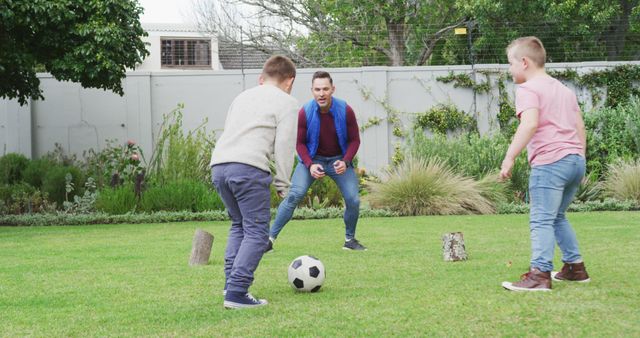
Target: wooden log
201 248
453 247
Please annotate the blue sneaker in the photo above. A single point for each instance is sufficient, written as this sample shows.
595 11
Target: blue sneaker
239 300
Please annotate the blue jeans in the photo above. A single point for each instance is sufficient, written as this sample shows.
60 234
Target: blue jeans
301 180
244 190
551 189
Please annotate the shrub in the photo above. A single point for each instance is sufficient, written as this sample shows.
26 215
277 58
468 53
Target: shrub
445 118
23 198
178 155
191 195
124 160
12 166
472 155
428 187
84 204
623 180
54 183
590 189
493 189
118 200
36 170
323 193
612 133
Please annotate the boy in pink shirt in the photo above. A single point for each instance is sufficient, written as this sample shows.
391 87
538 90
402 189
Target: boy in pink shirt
552 129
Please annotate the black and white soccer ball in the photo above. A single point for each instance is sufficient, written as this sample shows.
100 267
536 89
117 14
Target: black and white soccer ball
306 273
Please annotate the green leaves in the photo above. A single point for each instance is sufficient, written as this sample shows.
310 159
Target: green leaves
87 41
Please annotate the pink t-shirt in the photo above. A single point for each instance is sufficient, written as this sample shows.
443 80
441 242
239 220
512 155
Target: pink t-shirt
557 134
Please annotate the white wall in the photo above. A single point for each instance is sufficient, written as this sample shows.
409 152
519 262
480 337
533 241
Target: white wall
80 119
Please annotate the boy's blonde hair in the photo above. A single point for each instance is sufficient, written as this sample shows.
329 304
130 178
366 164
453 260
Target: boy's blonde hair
279 68
528 46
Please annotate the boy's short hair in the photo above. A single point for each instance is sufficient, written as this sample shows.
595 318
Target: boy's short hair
531 47
321 75
279 68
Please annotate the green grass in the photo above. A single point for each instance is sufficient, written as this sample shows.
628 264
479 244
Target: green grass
133 280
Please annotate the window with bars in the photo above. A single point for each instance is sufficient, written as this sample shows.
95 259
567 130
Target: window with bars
186 53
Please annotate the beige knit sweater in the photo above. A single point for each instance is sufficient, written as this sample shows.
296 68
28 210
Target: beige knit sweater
261 126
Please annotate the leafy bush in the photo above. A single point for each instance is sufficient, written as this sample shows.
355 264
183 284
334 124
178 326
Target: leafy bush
191 195
125 161
12 166
36 170
445 118
54 183
84 204
178 156
623 180
612 133
428 187
472 155
118 200
23 198
323 193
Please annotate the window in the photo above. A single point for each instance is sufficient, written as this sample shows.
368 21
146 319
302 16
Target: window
186 53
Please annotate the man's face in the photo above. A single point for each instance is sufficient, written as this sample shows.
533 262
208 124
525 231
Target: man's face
322 89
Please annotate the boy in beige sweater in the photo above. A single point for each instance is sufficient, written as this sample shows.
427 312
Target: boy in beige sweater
260 125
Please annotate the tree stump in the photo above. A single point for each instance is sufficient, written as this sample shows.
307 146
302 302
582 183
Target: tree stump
453 247
201 248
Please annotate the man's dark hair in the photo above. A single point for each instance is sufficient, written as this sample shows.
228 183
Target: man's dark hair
321 75
279 68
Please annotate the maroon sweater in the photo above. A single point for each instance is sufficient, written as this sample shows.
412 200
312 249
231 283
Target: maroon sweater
328 144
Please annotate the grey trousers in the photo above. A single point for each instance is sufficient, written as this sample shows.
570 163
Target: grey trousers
244 189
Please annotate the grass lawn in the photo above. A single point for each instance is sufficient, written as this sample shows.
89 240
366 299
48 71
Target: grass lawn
134 280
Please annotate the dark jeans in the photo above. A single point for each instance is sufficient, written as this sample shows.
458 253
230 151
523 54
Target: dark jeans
244 190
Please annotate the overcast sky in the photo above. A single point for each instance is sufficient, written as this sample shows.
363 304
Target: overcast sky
165 11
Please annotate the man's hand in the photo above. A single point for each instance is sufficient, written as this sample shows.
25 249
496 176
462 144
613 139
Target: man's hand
316 171
505 169
282 194
340 167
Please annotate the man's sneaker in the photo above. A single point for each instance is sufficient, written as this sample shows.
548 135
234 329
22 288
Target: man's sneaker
353 244
534 280
269 246
240 300
573 272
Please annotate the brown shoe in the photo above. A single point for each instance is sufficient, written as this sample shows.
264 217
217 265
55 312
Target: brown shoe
534 280
573 272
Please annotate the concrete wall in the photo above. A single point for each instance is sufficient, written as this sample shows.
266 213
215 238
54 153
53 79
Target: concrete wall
80 119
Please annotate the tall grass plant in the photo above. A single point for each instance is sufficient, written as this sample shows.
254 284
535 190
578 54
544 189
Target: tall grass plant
623 180
429 187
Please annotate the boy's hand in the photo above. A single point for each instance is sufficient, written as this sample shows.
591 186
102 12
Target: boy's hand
316 171
505 169
340 167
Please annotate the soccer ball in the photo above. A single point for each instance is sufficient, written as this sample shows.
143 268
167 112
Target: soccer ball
306 273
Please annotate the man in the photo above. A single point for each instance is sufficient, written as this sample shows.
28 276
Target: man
260 122
328 139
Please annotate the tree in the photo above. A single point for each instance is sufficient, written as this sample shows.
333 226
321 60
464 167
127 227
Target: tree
572 30
395 32
86 41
